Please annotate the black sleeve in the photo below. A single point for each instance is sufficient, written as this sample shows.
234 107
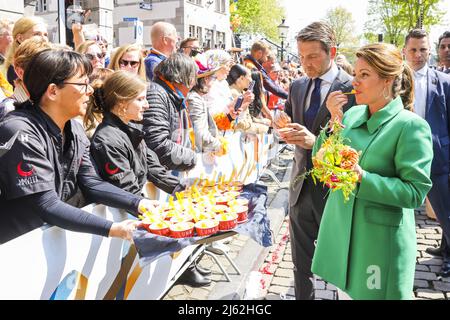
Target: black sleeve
95 189
55 212
272 87
160 176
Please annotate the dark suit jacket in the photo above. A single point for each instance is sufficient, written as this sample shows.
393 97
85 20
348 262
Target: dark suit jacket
437 115
295 108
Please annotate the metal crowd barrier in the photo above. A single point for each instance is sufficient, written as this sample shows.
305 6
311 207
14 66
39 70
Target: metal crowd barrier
52 263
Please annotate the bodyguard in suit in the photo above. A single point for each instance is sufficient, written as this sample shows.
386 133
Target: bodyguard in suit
432 102
306 107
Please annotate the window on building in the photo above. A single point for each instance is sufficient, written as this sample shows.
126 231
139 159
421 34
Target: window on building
41 6
218 5
198 2
191 31
223 8
220 40
200 35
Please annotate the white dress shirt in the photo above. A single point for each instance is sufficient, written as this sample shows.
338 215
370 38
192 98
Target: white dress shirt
420 91
327 79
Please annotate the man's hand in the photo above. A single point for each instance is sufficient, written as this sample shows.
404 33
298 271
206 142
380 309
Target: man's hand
147 205
297 134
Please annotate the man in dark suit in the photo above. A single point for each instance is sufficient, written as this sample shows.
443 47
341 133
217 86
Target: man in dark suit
306 107
432 102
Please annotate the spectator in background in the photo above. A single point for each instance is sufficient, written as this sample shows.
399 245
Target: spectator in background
258 57
444 52
24 28
258 107
273 101
23 55
164 42
190 47
167 128
6 38
206 132
341 61
219 98
93 52
128 58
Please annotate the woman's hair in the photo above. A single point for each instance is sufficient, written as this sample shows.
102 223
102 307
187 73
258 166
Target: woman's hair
257 104
83 47
28 49
200 86
53 66
121 86
387 62
236 71
178 68
118 54
93 116
20 27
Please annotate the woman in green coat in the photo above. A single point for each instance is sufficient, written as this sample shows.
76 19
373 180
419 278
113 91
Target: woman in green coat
367 245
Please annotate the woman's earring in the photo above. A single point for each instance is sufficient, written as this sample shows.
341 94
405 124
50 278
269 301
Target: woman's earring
386 96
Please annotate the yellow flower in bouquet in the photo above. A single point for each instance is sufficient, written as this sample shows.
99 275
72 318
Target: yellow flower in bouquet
334 162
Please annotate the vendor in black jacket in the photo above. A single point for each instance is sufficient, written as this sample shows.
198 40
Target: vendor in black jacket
118 145
49 160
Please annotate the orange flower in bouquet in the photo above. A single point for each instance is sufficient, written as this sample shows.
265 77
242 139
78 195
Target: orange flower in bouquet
222 121
334 162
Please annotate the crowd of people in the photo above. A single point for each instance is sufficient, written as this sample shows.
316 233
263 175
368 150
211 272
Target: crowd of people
88 125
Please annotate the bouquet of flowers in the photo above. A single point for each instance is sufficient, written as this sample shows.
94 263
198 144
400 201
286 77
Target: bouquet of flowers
334 162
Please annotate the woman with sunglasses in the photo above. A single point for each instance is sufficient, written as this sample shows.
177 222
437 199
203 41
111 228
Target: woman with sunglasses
128 58
93 52
49 164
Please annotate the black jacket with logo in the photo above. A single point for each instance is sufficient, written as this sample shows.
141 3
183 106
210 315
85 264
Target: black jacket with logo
122 157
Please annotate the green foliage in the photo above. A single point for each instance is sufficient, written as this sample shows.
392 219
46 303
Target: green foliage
259 17
394 18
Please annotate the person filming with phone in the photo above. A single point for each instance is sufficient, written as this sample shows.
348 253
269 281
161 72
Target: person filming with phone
242 87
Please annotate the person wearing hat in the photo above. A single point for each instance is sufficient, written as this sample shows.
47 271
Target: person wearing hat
205 129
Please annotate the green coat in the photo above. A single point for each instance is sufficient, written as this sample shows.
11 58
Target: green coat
367 246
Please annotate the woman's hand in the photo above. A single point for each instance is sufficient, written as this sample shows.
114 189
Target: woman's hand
359 172
335 102
248 99
234 113
124 230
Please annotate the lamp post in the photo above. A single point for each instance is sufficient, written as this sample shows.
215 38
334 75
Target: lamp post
282 33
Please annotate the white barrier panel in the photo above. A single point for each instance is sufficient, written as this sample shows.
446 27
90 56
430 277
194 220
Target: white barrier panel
52 263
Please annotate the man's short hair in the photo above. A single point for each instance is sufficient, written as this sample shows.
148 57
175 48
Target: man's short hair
446 34
184 43
318 31
416 34
259 46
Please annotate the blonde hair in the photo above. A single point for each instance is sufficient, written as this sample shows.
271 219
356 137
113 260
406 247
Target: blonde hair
118 54
387 61
83 47
29 48
121 86
20 27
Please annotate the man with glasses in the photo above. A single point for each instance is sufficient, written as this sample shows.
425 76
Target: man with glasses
190 47
164 43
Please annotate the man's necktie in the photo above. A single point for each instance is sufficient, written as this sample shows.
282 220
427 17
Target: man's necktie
314 104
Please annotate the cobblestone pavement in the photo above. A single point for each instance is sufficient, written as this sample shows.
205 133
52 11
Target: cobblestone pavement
427 285
276 271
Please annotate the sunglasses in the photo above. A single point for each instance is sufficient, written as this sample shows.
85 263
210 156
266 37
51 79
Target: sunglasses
99 56
124 63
